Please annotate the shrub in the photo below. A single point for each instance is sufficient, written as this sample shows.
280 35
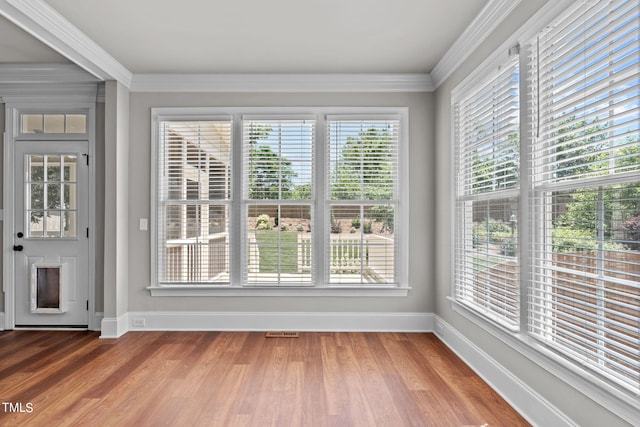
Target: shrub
566 239
631 226
263 222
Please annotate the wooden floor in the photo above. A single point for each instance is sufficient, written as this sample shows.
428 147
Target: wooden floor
241 379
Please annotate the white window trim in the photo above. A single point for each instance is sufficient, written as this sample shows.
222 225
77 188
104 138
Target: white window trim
319 287
619 401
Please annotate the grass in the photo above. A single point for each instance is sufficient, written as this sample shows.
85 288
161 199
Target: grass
278 251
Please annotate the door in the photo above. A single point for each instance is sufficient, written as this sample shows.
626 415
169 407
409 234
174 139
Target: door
51 243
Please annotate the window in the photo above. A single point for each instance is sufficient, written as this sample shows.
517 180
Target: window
585 203
487 191
193 201
53 123
575 191
278 181
249 199
363 199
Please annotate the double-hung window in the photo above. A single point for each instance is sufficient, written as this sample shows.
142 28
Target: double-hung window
193 191
585 201
277 208
362 199
303 198
576 188
487 193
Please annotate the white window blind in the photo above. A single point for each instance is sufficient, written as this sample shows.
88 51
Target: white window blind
278 191
487 191
193 194
585 203
362 199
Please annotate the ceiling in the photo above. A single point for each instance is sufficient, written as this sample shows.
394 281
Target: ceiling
256 36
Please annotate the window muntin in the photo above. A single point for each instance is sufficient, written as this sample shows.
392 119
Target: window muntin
51 196
363 200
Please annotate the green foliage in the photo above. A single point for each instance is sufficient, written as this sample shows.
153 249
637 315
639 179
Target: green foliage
496 232
565 239
498 169
263 222
385 215
270 175
631 226
578 151
365 169
301 192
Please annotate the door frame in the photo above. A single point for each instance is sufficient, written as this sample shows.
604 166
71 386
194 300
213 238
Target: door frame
12 134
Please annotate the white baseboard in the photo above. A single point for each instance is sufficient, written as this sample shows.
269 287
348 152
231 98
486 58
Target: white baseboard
114 327
537 410
226 321
1 320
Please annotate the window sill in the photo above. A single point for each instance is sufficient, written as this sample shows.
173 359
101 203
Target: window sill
262 291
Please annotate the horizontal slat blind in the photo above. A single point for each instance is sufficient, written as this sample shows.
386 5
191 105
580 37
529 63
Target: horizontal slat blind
278 159
363 159
487 184
488 134
585 270
193 194
589 101
363 200
278 188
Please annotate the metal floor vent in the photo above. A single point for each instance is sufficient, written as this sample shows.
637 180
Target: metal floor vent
282 334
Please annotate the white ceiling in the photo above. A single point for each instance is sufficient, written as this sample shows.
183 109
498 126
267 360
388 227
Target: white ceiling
257 36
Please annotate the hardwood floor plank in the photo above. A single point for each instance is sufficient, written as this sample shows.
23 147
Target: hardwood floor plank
242 378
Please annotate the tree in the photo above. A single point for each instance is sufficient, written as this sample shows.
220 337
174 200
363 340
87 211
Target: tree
365 167
499 168
609 208
270 174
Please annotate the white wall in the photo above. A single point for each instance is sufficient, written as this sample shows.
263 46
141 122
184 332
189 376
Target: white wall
569 400
421 263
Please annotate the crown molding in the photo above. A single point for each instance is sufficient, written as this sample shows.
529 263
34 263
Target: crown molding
41 21
480 28
282 83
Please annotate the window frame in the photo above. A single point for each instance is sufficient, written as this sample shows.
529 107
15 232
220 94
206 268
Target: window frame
597 386
237 247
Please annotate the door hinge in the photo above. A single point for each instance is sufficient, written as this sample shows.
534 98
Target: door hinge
86 157
87 232
87 305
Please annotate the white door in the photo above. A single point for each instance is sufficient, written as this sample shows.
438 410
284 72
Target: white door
51 243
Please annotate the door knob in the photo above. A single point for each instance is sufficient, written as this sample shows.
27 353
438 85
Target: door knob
18 248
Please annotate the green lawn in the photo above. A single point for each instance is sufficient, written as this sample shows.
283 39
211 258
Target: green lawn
277 249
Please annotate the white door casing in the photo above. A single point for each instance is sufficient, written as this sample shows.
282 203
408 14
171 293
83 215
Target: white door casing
51 233
79 289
